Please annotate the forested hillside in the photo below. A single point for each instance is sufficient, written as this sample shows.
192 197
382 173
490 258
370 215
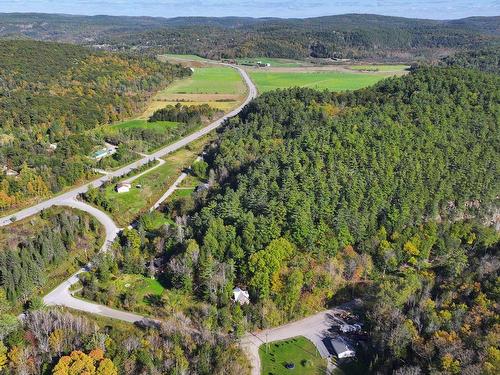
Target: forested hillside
50 94
352 36
487 60
318 195
343 36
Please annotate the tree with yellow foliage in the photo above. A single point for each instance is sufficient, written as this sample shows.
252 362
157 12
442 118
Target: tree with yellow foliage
3 356
79 363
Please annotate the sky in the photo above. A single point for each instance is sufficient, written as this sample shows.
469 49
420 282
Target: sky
435 9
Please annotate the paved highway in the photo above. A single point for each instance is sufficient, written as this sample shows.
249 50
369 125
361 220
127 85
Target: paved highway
69 195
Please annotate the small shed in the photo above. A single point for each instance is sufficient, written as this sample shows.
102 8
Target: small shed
123 187
241 296
342 349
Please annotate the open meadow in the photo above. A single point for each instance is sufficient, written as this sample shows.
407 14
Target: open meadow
329 80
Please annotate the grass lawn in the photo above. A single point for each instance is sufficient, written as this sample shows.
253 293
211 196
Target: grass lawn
138 200
379 68
298 350
335 81
185 192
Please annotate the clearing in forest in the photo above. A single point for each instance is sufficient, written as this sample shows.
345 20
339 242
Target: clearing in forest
329 80
293 356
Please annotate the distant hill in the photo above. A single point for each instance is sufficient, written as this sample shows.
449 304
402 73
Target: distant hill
354 36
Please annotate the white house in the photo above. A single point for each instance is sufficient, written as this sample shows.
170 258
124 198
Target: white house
241 296
342 349
123 187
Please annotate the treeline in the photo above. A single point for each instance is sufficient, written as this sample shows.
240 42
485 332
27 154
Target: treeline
323 196
26 265
486 60
345 36
189 114
306 180
366 36
51 341
50 94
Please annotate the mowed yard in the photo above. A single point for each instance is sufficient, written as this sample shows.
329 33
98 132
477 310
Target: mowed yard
130 204
329 80
298 351
218 86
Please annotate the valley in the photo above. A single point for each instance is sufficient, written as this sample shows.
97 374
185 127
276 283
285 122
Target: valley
276 196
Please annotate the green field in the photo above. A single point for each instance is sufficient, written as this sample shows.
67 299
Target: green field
174 56
335 81
211 80
280 63
379 68
298 350
158 126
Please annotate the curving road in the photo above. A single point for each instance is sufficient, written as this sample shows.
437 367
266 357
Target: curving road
60 199
62 295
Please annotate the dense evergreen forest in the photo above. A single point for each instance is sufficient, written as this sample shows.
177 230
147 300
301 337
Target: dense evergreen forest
30 250
487 60
341 36
51 96
317 197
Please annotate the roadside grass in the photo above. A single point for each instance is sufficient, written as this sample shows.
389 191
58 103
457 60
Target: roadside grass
163 132
298 350
330 80
183 192
128 206
275 62
379 68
